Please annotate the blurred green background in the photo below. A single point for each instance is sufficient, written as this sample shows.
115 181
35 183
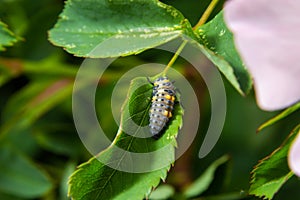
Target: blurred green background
39 145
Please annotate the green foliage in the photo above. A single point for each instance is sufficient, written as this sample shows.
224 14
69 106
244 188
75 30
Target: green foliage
85 29
95 179
31 19
228 196
122 27
7 38
24 128
205 180
273 171
209 181
193 9
38 139
162 192
69 169
280 116
19 176
33 101
220 49
5 73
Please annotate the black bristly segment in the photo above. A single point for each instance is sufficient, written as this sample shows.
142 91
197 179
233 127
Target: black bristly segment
160 134
148 79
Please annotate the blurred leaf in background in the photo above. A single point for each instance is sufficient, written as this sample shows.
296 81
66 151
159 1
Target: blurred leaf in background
7 38
39 145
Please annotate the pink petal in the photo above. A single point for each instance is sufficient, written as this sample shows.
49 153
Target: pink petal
267 36
294 156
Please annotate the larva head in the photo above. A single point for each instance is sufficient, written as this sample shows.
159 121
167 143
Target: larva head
163 82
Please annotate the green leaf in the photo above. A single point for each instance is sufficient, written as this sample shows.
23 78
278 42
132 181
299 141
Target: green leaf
226 196
95 180
33 101
9 197
280 116
16 137
205 180
273 171
59 138
50 68
63 189
122 27
218 46
162 192
7 38
6 73
19 176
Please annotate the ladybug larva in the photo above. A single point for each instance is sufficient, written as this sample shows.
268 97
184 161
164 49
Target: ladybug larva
163 98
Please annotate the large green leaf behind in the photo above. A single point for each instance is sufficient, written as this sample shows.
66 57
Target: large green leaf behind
218 46
121 27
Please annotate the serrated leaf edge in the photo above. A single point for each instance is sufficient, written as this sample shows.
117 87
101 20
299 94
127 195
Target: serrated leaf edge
256 167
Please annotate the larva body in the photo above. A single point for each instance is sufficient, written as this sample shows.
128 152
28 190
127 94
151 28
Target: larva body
163 98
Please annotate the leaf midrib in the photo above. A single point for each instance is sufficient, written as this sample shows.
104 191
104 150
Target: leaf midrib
130 143
174 30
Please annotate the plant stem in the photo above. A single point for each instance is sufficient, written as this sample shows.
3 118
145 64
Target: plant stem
173 59
206 13
202 20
